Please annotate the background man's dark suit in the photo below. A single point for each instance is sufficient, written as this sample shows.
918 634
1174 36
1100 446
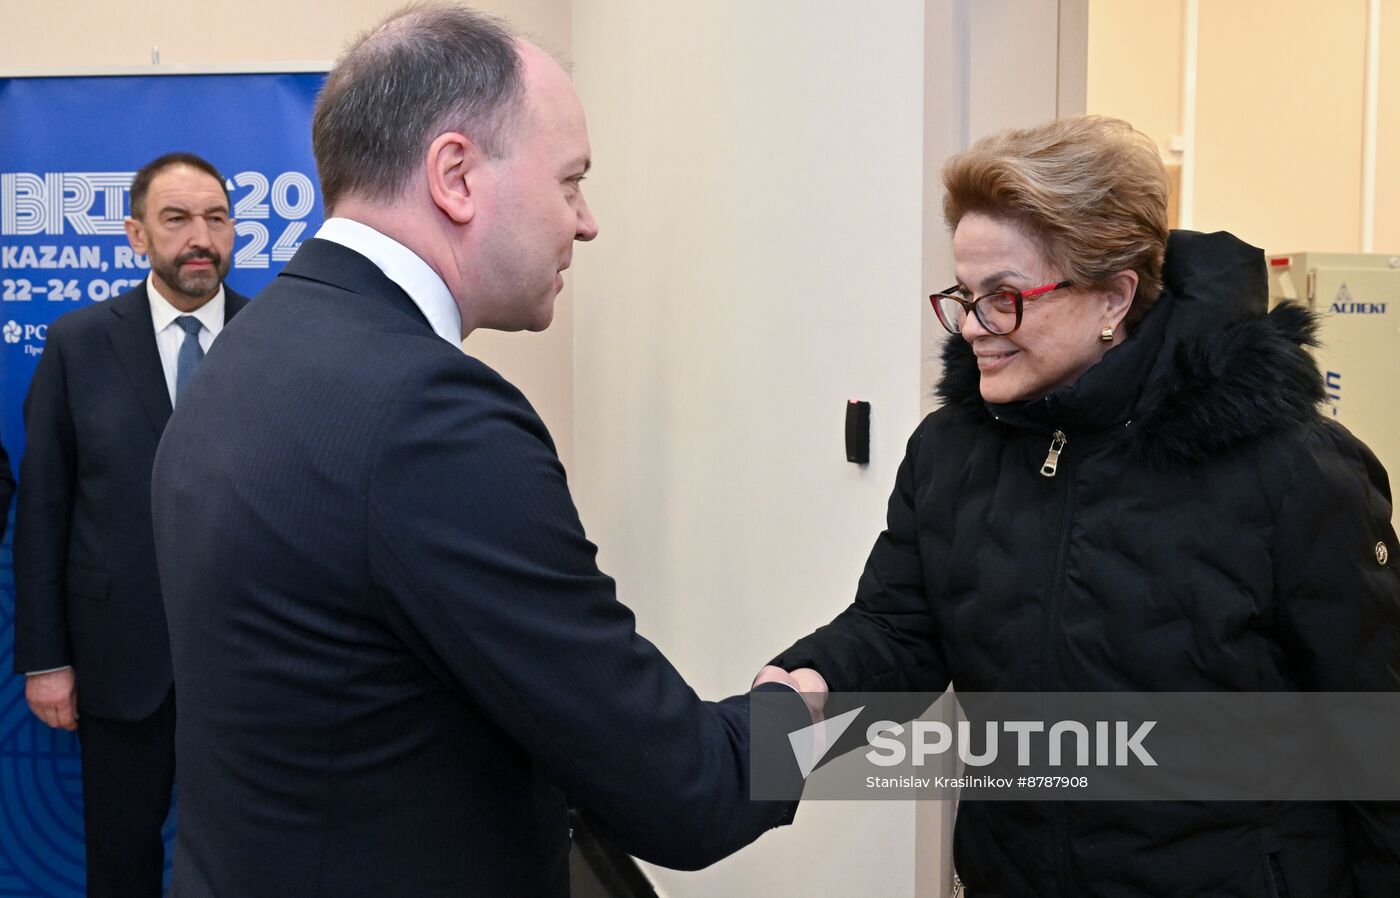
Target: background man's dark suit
86 587
394 650
7 489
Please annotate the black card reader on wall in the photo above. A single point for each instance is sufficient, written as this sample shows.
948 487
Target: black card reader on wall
858 432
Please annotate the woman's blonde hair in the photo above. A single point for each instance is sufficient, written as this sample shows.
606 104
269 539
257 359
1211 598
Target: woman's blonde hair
1091 190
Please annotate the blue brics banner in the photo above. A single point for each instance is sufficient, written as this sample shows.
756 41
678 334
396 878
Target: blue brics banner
68 149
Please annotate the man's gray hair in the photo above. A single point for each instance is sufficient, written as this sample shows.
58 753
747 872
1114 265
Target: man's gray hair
426 70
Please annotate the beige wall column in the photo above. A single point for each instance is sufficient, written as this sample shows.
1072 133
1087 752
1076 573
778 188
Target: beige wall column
1387 233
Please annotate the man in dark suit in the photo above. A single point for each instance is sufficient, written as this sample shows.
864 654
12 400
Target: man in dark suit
394 651
90 631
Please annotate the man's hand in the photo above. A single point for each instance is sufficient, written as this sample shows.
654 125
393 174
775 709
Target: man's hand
811 684
53 697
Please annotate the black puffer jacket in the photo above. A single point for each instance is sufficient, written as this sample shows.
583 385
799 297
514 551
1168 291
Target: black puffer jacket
1206 529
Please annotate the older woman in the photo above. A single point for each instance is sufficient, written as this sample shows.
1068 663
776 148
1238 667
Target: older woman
1128 487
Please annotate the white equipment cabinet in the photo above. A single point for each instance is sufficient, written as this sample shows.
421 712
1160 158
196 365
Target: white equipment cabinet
1358 297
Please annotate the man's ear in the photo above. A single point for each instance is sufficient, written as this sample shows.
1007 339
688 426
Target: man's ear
1119 293
136 235
454 166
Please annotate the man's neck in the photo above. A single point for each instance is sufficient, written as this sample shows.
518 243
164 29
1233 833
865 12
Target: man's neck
408 227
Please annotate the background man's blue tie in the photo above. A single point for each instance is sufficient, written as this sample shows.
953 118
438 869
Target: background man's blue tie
190 353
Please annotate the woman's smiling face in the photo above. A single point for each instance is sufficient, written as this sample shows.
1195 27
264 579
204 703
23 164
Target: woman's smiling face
1059 336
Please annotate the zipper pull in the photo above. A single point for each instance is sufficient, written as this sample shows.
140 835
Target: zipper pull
1052 461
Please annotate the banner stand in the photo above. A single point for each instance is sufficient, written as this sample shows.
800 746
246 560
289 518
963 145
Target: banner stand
70 141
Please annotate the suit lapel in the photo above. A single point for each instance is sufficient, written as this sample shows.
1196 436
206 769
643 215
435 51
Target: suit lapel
233 303
134 338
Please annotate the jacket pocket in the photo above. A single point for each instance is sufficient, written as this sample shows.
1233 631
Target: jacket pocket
82 581
1273 870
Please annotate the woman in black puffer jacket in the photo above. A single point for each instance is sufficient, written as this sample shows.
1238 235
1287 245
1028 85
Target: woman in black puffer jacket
1128 487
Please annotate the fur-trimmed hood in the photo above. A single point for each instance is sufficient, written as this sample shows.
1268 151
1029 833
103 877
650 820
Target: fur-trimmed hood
1207 369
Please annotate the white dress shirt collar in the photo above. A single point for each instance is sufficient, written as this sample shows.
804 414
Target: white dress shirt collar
211 314
404 267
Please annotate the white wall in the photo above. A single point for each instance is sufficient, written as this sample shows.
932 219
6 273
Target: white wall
758 171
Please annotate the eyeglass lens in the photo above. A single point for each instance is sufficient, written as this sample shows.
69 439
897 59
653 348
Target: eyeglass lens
996 312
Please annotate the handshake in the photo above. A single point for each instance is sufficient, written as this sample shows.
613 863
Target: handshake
810 684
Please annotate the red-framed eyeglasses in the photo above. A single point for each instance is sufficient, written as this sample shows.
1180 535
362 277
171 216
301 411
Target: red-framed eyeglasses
999 313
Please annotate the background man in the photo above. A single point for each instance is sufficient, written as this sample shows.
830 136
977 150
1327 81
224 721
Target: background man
90 628
394 651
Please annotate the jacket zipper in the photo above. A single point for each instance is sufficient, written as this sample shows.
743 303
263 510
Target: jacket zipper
1052 460
1058 827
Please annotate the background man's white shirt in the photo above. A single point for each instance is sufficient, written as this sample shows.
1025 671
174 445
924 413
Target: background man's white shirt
170 335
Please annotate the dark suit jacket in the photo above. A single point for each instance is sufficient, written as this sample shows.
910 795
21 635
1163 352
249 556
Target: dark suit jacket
86 590
394 651
7 489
